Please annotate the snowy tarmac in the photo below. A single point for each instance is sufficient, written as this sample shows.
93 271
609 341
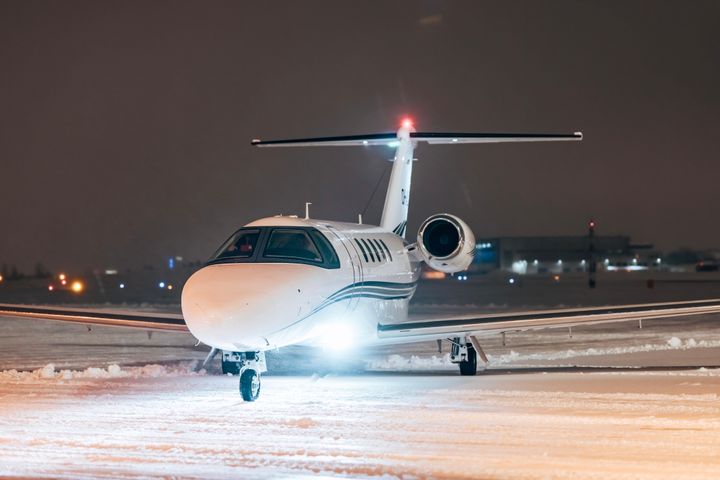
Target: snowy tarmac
611 401
161 422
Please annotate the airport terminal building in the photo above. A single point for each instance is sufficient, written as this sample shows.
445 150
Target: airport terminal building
537 255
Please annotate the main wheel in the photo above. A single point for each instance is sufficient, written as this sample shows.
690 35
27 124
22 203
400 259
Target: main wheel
469 366
250 385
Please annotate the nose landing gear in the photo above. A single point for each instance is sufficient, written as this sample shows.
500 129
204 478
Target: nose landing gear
249 365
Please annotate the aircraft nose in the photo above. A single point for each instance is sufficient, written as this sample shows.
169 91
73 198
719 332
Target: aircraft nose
236 306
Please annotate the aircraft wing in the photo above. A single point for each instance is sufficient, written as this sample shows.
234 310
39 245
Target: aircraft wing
419 328
112 317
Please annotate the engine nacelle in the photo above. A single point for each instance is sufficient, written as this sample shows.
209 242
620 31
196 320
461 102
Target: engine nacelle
446 243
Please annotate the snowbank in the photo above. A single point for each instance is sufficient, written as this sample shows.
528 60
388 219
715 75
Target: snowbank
48 372
398 363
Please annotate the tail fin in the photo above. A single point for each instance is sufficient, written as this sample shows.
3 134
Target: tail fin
397 199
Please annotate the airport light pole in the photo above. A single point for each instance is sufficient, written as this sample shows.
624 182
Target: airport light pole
591 254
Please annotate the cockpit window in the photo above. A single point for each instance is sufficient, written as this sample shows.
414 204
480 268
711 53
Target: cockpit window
305 245
240 245
291 244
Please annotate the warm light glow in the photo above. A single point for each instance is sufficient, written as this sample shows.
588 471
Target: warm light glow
64 282
1 278
77 286
433 275
62 276
407 122
169 287
51 288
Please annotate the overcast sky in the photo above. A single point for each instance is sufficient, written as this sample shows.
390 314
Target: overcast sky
125 127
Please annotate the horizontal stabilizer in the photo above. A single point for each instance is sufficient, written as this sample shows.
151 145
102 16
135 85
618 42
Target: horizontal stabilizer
344 141
453 138
391 139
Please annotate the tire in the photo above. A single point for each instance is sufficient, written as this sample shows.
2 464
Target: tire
250 385
469 367
232 368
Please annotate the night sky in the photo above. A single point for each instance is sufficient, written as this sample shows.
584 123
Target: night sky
125 127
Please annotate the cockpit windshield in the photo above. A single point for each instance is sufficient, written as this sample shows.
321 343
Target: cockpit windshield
291 244
278 245
240 245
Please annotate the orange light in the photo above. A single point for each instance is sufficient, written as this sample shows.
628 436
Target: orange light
62 277
433 275
407 122
77 286
1 278
556 278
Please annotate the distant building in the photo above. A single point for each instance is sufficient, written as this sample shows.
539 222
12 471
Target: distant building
532 255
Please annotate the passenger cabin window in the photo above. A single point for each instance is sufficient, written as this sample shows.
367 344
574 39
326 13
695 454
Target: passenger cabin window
379 248
240 245
387 250
367 247
362 249
291 244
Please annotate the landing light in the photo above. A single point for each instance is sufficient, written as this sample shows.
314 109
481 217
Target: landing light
161 284
338 336
122 285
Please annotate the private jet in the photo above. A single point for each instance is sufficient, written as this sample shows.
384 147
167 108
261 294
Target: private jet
286 280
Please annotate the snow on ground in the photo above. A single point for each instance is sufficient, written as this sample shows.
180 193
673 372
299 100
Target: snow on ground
114 403
554 425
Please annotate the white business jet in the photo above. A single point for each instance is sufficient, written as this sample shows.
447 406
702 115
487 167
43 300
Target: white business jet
286 280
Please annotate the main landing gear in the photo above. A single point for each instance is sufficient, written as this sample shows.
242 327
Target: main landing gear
465 352
249 366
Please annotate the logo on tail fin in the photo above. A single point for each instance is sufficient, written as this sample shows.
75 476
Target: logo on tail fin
400 229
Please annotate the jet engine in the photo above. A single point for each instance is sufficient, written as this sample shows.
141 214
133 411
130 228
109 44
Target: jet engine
446 243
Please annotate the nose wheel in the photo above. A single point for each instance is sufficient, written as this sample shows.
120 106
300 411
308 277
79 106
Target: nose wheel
249 365
250 384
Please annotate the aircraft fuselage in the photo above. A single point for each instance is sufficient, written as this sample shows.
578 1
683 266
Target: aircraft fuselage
280 284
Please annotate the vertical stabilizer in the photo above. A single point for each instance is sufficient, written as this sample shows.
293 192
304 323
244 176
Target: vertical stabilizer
397 199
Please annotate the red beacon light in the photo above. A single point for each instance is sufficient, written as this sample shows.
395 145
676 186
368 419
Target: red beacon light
407 122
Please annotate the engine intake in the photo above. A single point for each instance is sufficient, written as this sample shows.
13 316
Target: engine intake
446 243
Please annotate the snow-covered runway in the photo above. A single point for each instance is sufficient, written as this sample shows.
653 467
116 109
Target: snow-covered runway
168 422
541 411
